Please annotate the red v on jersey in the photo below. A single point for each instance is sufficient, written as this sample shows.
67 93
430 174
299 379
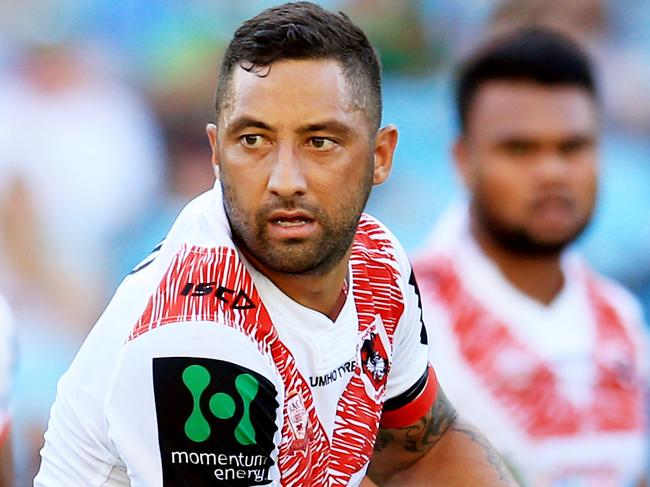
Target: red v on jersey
306 455
533 396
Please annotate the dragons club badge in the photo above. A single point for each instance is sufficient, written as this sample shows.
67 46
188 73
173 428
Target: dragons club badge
374 360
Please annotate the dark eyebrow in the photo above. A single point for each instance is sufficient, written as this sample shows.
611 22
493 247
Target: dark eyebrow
573 138
579 139
332 126
242 123
516 139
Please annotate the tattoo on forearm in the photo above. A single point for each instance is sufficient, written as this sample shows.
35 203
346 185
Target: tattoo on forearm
426 433
423 435
384 438
492 457
407 445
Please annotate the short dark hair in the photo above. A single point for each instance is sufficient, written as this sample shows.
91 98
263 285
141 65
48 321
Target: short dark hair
535 54
305 31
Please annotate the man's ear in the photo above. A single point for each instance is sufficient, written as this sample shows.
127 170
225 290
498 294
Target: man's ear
385 144
211 130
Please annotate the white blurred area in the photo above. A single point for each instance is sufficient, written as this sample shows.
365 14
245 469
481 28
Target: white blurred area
103 107
80 155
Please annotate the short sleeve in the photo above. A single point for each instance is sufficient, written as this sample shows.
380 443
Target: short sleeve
412 385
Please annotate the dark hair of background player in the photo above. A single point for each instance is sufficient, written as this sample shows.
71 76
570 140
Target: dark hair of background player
539 55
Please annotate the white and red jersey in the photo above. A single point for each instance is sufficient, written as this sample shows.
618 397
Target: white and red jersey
7 349
559 389
202 372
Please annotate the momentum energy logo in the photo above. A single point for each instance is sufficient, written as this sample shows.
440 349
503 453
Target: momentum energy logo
197 378
216 422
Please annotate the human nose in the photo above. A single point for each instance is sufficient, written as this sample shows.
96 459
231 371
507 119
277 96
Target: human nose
287 177
552 167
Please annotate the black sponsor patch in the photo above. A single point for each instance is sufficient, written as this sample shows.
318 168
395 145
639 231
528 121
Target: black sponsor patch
216 422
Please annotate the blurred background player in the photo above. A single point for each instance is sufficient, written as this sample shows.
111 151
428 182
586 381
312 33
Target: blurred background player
529 341
78 158
6 368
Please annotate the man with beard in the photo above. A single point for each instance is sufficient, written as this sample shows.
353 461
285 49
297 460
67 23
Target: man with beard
528 341
275 334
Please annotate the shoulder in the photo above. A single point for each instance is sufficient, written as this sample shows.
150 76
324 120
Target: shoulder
379 245
449 238
373 234
612 292
198 234
133 296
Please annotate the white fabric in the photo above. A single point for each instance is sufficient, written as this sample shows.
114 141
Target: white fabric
562 334
103 425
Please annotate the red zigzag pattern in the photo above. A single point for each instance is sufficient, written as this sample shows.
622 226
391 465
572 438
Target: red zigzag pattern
538 405
376 293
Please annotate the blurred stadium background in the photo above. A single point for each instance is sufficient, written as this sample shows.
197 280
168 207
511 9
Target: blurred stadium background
103 106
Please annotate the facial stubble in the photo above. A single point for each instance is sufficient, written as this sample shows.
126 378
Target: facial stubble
313 256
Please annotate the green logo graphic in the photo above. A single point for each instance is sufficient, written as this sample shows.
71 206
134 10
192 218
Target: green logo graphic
197 378
216 422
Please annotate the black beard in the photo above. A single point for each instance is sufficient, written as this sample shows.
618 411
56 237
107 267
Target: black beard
517 239
296 256
293 257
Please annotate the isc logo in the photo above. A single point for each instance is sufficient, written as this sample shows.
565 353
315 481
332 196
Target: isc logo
237 300
222 406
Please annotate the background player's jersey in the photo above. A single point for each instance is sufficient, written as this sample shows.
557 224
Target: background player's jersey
7 349
202 372
558 389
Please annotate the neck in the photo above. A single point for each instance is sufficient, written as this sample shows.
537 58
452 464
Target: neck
538 276
320 292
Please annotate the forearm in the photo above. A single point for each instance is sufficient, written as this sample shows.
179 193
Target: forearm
437 449
461 457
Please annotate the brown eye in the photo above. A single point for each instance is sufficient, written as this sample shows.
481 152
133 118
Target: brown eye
519 148
574 146
322 143
252 140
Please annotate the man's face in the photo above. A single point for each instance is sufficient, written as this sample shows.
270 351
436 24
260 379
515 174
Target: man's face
296 162
529 159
